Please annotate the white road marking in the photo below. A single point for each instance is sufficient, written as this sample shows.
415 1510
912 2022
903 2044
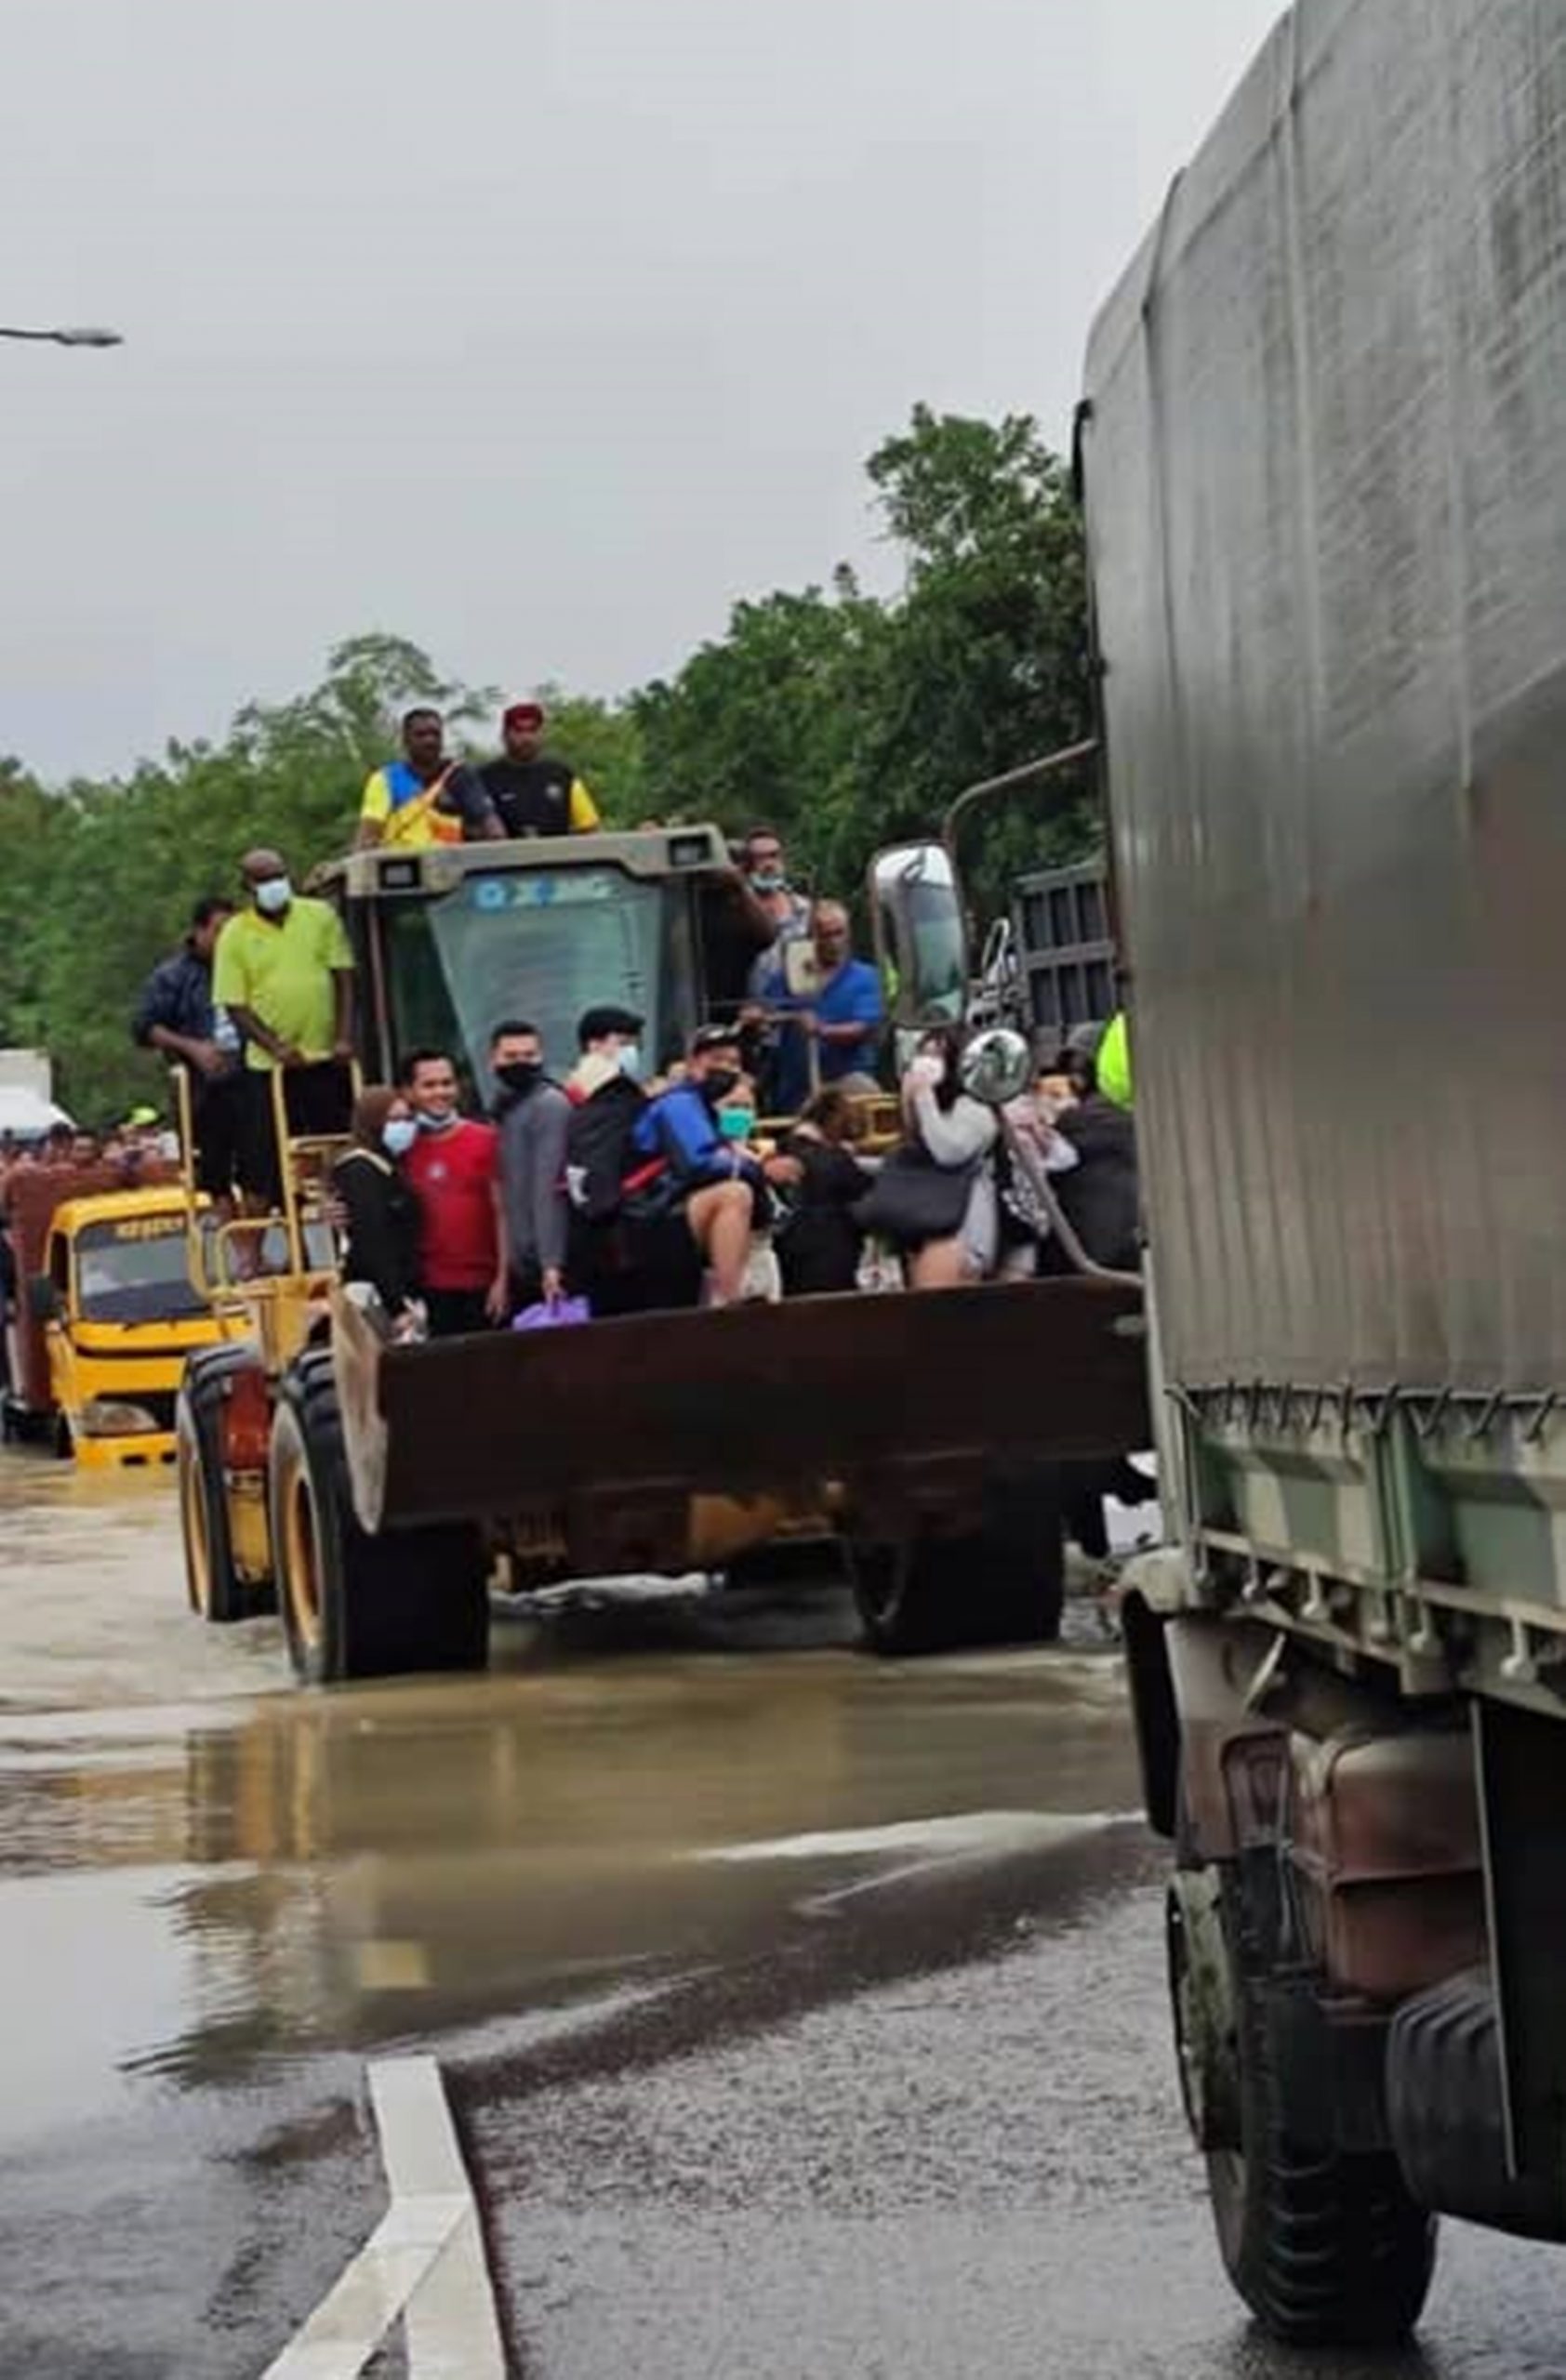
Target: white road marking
424 2260
968 1831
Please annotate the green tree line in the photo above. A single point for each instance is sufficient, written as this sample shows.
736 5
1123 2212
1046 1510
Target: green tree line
842 719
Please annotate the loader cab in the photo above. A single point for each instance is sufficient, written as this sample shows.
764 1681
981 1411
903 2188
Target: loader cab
450 942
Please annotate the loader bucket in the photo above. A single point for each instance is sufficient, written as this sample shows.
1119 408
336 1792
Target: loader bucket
853 1405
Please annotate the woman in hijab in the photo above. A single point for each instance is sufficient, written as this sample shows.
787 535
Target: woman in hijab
382 1247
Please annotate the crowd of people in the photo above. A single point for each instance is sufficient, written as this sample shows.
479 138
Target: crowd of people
610 1188
610 1196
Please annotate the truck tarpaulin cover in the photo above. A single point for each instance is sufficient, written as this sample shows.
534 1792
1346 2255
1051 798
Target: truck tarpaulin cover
1326 491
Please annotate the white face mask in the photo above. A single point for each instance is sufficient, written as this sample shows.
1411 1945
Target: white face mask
630 1059
398 1135
274 895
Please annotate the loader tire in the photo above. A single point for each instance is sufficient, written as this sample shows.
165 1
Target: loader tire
1022 1558
927 1596
1326 2247
356 1606
945 1594
216 1592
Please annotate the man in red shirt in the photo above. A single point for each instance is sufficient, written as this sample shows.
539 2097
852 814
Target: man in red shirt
454 1171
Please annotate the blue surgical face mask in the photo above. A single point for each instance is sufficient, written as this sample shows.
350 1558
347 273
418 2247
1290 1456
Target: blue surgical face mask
423 1123
398 1135
631 1060
735 1123
274 895
769 880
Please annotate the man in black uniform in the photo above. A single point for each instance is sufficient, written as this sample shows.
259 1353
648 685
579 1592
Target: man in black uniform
176 1016
533 792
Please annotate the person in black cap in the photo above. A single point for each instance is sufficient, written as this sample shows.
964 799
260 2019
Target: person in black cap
606 1100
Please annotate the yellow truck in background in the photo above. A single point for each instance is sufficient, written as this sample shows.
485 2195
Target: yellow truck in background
106 1315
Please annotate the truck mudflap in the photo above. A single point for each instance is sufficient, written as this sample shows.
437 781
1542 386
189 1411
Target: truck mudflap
866 1407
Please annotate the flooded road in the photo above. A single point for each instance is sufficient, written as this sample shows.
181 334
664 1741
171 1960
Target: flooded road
804 2014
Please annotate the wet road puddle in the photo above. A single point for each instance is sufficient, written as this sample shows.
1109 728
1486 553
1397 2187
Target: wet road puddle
212 1878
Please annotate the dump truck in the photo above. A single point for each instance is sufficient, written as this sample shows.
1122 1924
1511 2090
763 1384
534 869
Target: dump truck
107 1314
1323 457
374 1491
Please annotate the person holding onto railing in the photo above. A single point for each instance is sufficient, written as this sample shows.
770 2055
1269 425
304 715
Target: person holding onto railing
844 1016
284 972
177 1016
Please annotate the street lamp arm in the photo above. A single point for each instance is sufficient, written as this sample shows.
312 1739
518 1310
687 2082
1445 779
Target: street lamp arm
72 336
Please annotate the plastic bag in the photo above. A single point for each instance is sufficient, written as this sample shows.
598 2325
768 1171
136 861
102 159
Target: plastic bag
561 1316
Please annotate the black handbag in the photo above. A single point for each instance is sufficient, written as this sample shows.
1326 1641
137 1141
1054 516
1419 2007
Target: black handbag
914 1199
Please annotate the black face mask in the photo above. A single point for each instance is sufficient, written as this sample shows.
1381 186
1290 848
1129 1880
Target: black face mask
519 1076
716 1087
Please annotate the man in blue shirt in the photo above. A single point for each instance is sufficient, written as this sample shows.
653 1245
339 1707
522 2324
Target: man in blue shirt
843 1015
688 1162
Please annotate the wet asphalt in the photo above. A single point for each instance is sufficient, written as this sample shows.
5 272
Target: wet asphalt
802 2016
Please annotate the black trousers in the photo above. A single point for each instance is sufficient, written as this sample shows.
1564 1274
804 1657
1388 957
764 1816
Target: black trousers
456 1313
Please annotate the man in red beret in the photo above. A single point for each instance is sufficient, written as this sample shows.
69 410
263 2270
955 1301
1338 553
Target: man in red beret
531 791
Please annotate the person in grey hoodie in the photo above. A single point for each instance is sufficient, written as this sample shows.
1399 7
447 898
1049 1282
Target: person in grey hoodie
531 1115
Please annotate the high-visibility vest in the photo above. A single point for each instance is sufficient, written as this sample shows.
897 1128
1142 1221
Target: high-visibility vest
414 819
1113 1062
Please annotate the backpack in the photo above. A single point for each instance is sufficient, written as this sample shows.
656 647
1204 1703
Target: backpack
599 1154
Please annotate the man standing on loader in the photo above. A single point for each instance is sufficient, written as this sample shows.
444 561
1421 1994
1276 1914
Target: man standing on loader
425 797
176 1016
285 973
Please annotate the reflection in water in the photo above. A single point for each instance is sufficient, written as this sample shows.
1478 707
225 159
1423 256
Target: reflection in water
329 1870
207 1875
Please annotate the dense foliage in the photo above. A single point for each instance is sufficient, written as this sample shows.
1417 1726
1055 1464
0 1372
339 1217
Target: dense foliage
842 718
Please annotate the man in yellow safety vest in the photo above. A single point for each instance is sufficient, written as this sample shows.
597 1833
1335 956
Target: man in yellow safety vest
425 797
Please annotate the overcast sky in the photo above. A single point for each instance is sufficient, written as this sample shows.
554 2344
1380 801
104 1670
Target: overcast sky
537 330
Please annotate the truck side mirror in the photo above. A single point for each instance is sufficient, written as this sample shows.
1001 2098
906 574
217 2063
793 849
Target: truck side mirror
43 1298
921 936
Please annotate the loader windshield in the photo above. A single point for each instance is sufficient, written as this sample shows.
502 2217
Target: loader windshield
540 945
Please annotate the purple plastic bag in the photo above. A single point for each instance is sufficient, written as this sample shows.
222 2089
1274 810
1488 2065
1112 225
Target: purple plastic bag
558 1317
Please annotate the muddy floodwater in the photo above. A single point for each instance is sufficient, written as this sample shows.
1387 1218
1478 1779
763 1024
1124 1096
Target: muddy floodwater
268 1873
802 2016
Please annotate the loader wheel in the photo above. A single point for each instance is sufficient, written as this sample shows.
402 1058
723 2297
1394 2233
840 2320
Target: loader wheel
1326 2248
215 1591
939 1595
917 1598
1022 1558
356 1606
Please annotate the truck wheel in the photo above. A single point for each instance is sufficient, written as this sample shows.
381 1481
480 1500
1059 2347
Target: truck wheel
1326 2248
215 1591
356 1605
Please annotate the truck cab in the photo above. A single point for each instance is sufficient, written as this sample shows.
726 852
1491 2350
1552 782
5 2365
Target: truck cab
108 1314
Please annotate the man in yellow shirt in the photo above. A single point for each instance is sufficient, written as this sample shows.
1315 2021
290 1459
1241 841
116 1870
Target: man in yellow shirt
424 798
285 973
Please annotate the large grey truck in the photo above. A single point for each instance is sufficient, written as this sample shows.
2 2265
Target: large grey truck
1323 457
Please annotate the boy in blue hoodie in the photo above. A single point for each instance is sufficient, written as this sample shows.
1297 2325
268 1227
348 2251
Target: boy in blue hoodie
721 1187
